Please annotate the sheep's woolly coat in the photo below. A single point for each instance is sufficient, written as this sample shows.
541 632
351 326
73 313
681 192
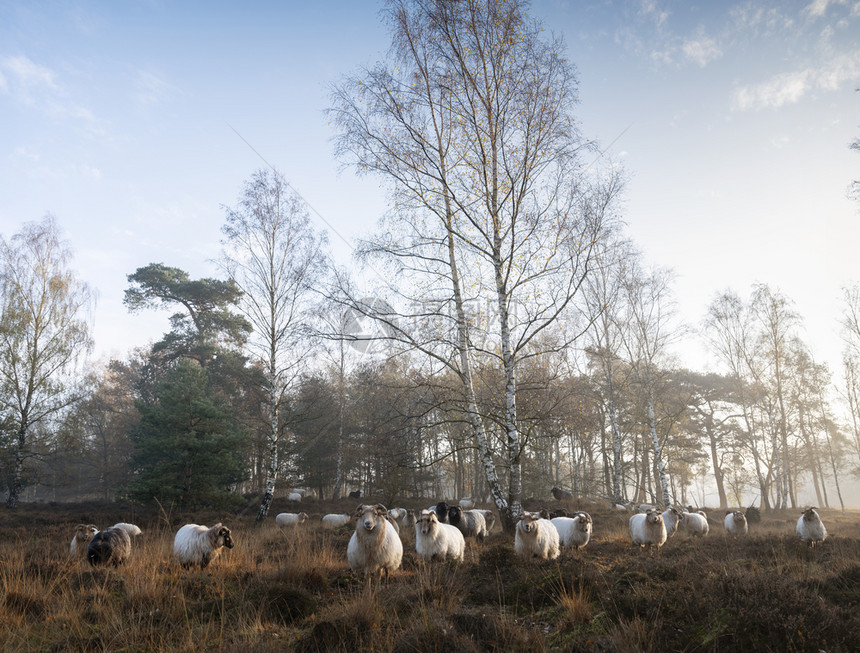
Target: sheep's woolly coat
470 522
672 518
131 529
290 518
436 540
810 528
648 529
111 545
336 520
573 531
536 538
696 523
81 539
374 547
736 523
196 545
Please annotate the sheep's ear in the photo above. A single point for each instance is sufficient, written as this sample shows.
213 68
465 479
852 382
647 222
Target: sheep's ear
380 509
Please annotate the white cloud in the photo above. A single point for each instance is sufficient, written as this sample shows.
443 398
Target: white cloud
151 88
818 8
28 73
790 88
702 50
649 8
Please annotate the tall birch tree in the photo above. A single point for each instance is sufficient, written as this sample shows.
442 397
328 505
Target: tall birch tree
275 258
44 337
470 122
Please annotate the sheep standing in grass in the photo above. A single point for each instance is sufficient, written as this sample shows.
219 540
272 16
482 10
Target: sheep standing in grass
648 529
573 531
397 514
672 518
470 522
436 540
291 518
111 545
560 495
810 528
736 523
467 503
408 520
336 520
695 523
196 545
294 496
489 517
374 547
536 538
82 537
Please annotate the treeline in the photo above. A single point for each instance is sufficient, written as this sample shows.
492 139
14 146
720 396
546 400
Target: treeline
504 338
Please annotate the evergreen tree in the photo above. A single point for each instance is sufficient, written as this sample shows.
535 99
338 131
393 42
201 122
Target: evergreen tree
188 447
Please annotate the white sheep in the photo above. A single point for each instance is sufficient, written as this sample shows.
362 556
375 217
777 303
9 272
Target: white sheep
336 520
536 538
623 507
408 519
645 507
489 517
397 514
196 545
810 528
672 517
736 523
648 529
291 518
294 496
436 540
131 529
374 547
695 523
573 531
81 538
110 545
467 503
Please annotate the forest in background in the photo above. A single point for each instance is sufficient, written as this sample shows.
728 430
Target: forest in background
512 338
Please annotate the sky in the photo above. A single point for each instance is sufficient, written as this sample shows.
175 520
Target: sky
135 123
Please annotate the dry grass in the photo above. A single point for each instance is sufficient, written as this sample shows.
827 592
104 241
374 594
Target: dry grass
292 590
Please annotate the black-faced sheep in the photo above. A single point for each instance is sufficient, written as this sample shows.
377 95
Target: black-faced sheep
810 528
561 495
648 529
284 519
112 545
736 523
536 538
573 531
196 545
80 540
470 522
441 509
436 540
355 494
374 547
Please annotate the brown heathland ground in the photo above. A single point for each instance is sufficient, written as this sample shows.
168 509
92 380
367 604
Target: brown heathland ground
292 590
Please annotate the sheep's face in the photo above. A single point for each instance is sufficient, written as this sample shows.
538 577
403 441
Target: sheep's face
528 523
739 517
454 514
809 515
371 516
584 522
303 517
224 538
653 517
84 532
427 522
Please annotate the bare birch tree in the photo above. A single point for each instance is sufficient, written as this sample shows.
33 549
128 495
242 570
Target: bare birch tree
493 229
274 256
648 333
44 336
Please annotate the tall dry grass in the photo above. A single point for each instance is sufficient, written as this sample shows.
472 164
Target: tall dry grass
292 590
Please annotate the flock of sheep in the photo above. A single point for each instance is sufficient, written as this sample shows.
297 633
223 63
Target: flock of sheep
376 548
193 545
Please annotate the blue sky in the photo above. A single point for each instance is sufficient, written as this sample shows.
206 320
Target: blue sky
732 119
